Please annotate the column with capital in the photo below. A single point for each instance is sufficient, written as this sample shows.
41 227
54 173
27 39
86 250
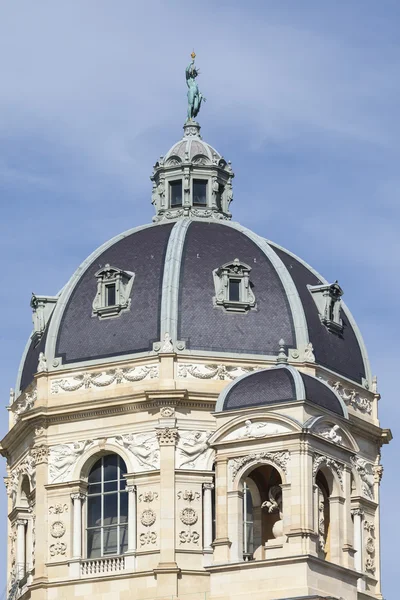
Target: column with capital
358 516
167 569
77 500
130 556
21 556
207 516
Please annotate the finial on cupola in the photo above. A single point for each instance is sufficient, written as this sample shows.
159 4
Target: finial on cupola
282 356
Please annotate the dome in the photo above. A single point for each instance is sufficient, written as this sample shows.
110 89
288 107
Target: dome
278 385
193 147
171 278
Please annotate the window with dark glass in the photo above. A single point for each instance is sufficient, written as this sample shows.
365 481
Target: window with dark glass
110 295
175 189
200 192
218 197
234 290
248 523
107 508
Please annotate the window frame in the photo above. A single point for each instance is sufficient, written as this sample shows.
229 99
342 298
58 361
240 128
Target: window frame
234 271
205 181
122 281
119 525
170 185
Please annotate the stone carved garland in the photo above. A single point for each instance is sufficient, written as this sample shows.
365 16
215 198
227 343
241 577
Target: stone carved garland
104 378
350 397
320 460
370 547
280 459
200 371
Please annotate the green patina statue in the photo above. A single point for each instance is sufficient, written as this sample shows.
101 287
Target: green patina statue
195 97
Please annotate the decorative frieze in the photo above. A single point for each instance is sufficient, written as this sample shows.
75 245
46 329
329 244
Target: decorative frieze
193 450
104 378
280 459
258 429
366 472
320 460
351 397
221 372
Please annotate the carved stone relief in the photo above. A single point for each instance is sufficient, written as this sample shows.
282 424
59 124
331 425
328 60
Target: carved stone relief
188 516
331 433
150 537
351 397
320 460
26 467
143 448
24 403
367 476
193 450
167 436
259 429
148 517
59 548
63 457
280 459
104 378
222 372
58 509
186 537
167 412
148 496
370 547
188 495
57 529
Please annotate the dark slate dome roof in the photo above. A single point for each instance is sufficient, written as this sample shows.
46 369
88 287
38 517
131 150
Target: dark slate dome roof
275 386
173 292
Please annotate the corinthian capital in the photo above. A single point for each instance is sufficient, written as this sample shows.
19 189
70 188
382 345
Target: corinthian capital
168 436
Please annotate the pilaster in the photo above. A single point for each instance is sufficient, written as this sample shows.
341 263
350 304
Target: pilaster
221 543
167 569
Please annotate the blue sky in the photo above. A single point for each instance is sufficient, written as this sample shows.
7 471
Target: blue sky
302 97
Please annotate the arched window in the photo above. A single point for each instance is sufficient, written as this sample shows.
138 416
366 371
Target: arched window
107 508
324 516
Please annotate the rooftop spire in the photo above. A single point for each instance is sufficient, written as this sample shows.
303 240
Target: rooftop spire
195 97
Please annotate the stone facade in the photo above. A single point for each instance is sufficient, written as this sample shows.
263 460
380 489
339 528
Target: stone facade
176 451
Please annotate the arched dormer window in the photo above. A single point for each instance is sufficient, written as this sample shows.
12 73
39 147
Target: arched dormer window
107 508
